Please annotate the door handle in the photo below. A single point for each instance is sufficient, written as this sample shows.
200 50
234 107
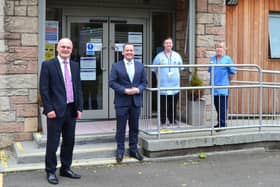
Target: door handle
101 59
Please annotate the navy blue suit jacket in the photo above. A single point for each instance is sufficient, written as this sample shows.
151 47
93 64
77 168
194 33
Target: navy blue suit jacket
119 81
52 87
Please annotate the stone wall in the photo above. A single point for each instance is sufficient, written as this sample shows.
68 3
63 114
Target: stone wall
18 68
210 29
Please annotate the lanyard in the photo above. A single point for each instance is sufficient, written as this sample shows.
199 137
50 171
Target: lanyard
169 59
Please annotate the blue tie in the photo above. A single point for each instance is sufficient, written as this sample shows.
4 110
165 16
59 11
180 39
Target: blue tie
129 70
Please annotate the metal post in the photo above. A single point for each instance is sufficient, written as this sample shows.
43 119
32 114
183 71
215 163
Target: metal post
158 101
192 26
212 99
261 99
41 30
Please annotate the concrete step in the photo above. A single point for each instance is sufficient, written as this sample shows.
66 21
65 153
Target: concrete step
9 163
28 152
41 139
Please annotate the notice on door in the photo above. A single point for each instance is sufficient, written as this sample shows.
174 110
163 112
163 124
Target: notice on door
135 37
88 74
88 68
87 62
90 49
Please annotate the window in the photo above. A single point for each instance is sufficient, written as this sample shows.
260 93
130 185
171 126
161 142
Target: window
274 35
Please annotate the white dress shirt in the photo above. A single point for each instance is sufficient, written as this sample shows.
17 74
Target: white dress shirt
61 62
130 69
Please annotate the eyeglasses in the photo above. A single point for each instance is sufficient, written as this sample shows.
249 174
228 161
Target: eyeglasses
65 47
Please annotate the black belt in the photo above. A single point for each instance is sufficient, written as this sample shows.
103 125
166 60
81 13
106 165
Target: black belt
70 104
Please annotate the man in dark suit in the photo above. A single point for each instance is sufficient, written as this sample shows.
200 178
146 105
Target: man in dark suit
128 80
60 89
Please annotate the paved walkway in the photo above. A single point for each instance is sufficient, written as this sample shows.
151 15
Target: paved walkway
229 169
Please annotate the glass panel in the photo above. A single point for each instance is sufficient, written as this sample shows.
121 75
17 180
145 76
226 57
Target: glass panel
87 40
132 33
274 35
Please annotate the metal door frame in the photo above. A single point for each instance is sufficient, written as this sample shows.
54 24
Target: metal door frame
102 113
108 111
139 21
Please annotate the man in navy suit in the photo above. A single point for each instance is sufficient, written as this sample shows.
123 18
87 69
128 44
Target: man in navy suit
128 80
60 89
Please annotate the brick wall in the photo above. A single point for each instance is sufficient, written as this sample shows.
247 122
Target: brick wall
18 69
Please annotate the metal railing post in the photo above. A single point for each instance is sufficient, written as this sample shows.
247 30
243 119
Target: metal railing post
261 99
158 102
212 99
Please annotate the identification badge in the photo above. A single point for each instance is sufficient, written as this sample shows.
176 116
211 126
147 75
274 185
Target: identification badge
169 74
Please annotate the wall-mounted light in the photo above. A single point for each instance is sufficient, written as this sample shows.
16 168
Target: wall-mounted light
231 2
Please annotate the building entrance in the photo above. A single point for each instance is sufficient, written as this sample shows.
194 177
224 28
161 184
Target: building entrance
98 43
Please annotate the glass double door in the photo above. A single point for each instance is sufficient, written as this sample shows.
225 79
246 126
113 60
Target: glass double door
97 44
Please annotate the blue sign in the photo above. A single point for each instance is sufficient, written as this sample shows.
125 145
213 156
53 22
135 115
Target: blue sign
90 49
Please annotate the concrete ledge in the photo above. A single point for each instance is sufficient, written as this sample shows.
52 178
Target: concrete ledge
225 140
41 139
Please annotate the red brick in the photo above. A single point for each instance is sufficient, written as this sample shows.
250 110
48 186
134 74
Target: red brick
12 36
10 58
215 30
201 5
19 99
32 67
27 110
24 52
27 68
3 68
3 58
200 52
215 8
13 43
220 38
23 136
9 36
11 127
202 60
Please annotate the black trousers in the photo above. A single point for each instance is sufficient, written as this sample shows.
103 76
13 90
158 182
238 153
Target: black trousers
221 105
56 127
168 103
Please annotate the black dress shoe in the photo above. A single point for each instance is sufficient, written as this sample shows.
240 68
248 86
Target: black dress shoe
136 155
69 173
52 179
119 157
216 126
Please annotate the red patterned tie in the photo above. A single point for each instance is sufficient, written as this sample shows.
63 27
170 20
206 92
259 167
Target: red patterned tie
68 83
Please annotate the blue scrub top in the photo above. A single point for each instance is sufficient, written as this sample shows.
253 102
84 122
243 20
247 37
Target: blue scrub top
169 77
221 74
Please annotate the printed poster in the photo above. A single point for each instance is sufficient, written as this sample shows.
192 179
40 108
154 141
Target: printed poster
88 74
52 32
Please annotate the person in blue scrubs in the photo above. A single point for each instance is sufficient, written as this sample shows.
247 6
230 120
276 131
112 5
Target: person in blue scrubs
169 78
222 77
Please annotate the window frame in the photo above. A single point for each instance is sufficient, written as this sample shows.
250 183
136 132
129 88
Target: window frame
273 47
